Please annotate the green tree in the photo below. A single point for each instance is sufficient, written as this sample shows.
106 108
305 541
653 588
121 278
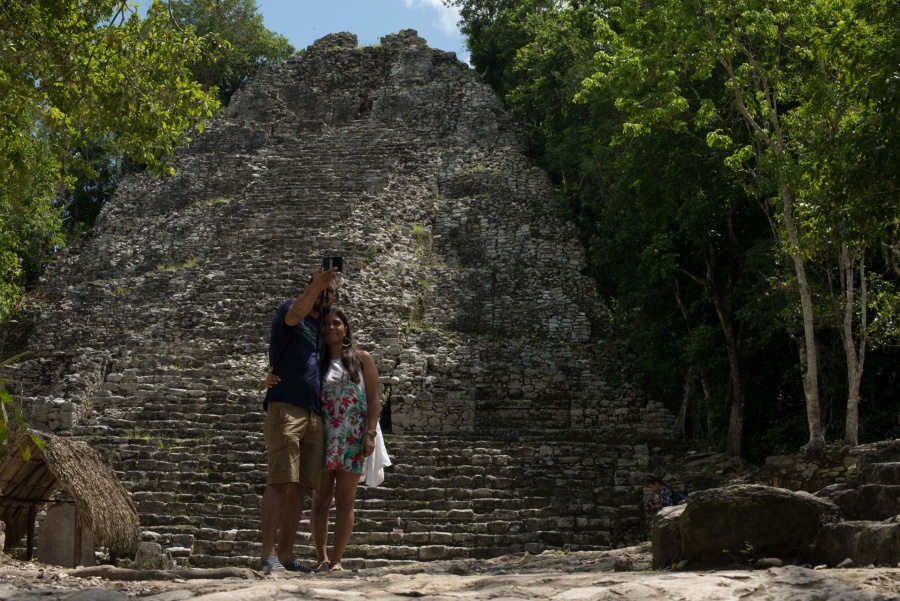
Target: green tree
243 45
660 168
663 197
11 421
237 47
73 73
494 32
793 80
853 188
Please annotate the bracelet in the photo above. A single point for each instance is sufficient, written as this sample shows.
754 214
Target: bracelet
371 433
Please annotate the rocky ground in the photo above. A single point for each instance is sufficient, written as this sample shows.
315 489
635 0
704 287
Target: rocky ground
621 575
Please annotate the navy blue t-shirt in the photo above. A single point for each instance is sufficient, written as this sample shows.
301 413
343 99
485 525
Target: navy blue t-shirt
297 364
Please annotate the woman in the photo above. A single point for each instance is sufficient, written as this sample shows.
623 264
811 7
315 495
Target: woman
350 404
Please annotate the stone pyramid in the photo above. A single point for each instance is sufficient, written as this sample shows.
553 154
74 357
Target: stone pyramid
460 275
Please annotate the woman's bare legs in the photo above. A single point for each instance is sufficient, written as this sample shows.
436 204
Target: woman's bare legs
318 515
344 498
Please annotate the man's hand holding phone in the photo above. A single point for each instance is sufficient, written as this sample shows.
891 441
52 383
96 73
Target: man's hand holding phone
322 279
332 263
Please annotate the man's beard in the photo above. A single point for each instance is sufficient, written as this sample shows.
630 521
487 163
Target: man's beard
317 307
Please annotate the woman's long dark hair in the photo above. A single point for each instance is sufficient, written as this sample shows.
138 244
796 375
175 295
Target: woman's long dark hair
348 353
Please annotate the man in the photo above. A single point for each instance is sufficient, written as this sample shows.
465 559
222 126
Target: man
293 429
667 496
729 473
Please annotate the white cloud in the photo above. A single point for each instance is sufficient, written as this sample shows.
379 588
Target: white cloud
448 17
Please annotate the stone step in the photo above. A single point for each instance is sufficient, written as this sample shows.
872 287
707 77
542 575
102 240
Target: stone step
199 488
210 541
512 442
880 473
152 493
252 562
863 542
869 502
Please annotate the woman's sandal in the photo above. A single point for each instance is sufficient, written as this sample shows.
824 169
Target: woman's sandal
336 567
322 566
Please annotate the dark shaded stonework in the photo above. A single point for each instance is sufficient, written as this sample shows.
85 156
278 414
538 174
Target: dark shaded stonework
462 278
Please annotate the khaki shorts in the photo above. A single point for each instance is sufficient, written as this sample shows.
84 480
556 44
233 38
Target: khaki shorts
295 444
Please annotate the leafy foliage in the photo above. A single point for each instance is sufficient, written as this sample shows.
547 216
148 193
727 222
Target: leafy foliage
242 45
73 75
11 421
236 46
684 139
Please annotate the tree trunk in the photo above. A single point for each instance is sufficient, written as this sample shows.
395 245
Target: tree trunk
685 423
809 357
698 373
855 357
734 443
696 426
773 138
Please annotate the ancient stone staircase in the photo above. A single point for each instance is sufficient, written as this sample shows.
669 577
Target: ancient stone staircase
196 473
189 448
869 506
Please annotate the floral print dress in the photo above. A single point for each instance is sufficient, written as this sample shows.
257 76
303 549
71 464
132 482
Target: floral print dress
345 411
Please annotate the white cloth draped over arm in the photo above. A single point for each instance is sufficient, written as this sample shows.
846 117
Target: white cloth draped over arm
373 466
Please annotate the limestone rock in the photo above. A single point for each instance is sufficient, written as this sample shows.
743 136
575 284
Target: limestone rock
868 502
862 542
719 524
150 556
56 538
666 536
880 473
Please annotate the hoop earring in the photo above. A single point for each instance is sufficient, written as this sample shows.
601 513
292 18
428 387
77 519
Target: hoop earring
346 342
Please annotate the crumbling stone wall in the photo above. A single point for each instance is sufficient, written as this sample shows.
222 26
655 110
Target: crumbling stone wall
461 276
814 469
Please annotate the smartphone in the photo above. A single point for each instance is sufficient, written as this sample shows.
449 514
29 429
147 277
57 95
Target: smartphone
329 262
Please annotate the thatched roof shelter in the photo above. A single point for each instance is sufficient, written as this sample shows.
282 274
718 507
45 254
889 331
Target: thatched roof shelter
81 472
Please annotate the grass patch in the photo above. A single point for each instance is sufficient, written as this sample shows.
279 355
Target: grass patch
192 262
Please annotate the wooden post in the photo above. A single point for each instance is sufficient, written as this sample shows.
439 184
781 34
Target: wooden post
76 557
32 516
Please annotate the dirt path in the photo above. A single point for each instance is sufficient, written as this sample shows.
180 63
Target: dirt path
556 576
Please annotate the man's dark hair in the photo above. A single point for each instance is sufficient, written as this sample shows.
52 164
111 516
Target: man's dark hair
655 480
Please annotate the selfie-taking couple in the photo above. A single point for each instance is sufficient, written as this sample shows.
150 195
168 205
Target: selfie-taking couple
322 409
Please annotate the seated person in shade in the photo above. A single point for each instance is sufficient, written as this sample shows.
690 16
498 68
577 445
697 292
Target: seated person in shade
667 496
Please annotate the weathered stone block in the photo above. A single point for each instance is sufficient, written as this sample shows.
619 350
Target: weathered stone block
868 502
56 539
666 536
432 552
150 556
720 523
864 543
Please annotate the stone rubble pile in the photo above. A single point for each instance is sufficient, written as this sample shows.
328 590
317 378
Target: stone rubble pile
855 523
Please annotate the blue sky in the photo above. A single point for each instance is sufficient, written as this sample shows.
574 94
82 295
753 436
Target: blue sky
304 21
